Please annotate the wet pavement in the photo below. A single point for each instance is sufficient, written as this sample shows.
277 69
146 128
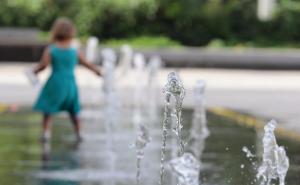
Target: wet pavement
63 161
263 94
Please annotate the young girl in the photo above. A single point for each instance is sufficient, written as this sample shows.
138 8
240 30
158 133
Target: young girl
60 92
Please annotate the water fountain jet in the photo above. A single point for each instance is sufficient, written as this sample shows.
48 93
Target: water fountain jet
275 162
111 108
125 62
91 49
143 133
173 89
198 131
154 65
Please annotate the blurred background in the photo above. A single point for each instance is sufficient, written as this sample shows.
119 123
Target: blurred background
245 51
208 23
152 23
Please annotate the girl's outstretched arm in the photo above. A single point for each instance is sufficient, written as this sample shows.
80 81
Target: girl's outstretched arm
88 65
45 60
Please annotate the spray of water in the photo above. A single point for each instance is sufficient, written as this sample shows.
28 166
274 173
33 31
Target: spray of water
139 69
275 162
173 88
91 49
125 62
199 131
248 153
153 67
109 62
141 142
186 168
111 99
111 108
143 136
166 120
91 54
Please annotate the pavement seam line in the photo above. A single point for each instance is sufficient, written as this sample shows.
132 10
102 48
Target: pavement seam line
253 122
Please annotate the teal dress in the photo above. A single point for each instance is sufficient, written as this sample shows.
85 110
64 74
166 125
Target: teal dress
60 93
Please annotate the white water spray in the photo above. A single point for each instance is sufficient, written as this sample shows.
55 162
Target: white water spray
275 162
248 153
199 131
186 169
92 49
155 63
141 142
153 68
125 62
111 104
91 54
143 136
139 69
173 88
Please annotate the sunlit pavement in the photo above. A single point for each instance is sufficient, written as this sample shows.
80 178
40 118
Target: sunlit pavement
266 94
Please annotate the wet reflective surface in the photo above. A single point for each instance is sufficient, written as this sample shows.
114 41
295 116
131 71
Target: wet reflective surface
99 160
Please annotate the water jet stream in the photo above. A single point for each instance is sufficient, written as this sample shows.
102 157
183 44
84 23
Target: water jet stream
275 162
173 88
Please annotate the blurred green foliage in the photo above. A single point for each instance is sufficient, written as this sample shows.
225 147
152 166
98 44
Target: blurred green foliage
190 22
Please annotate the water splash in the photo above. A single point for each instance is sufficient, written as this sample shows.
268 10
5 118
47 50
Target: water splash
173 88
143 137
275 162
248 153
92 55
141 142
91 49
109 62
111 104
125 62
199 131
153 67
111 99
186 168
251 158
139 66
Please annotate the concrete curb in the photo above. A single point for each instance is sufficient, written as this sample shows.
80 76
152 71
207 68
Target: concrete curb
253 122
229 58
232 58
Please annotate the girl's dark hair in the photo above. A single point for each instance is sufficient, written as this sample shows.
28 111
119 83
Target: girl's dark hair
62 29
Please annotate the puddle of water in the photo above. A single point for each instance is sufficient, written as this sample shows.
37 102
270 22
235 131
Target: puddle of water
23 160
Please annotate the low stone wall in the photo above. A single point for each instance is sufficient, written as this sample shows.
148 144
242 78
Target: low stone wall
229 58
24 53
186 57
20 44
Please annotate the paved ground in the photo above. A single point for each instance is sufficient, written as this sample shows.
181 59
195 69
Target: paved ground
267 94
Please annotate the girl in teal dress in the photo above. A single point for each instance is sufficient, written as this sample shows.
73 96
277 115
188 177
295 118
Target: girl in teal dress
60 93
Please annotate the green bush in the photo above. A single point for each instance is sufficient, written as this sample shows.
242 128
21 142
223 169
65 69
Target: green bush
189 22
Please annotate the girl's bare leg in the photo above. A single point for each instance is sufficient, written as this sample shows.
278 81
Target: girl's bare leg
46 127
76 123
